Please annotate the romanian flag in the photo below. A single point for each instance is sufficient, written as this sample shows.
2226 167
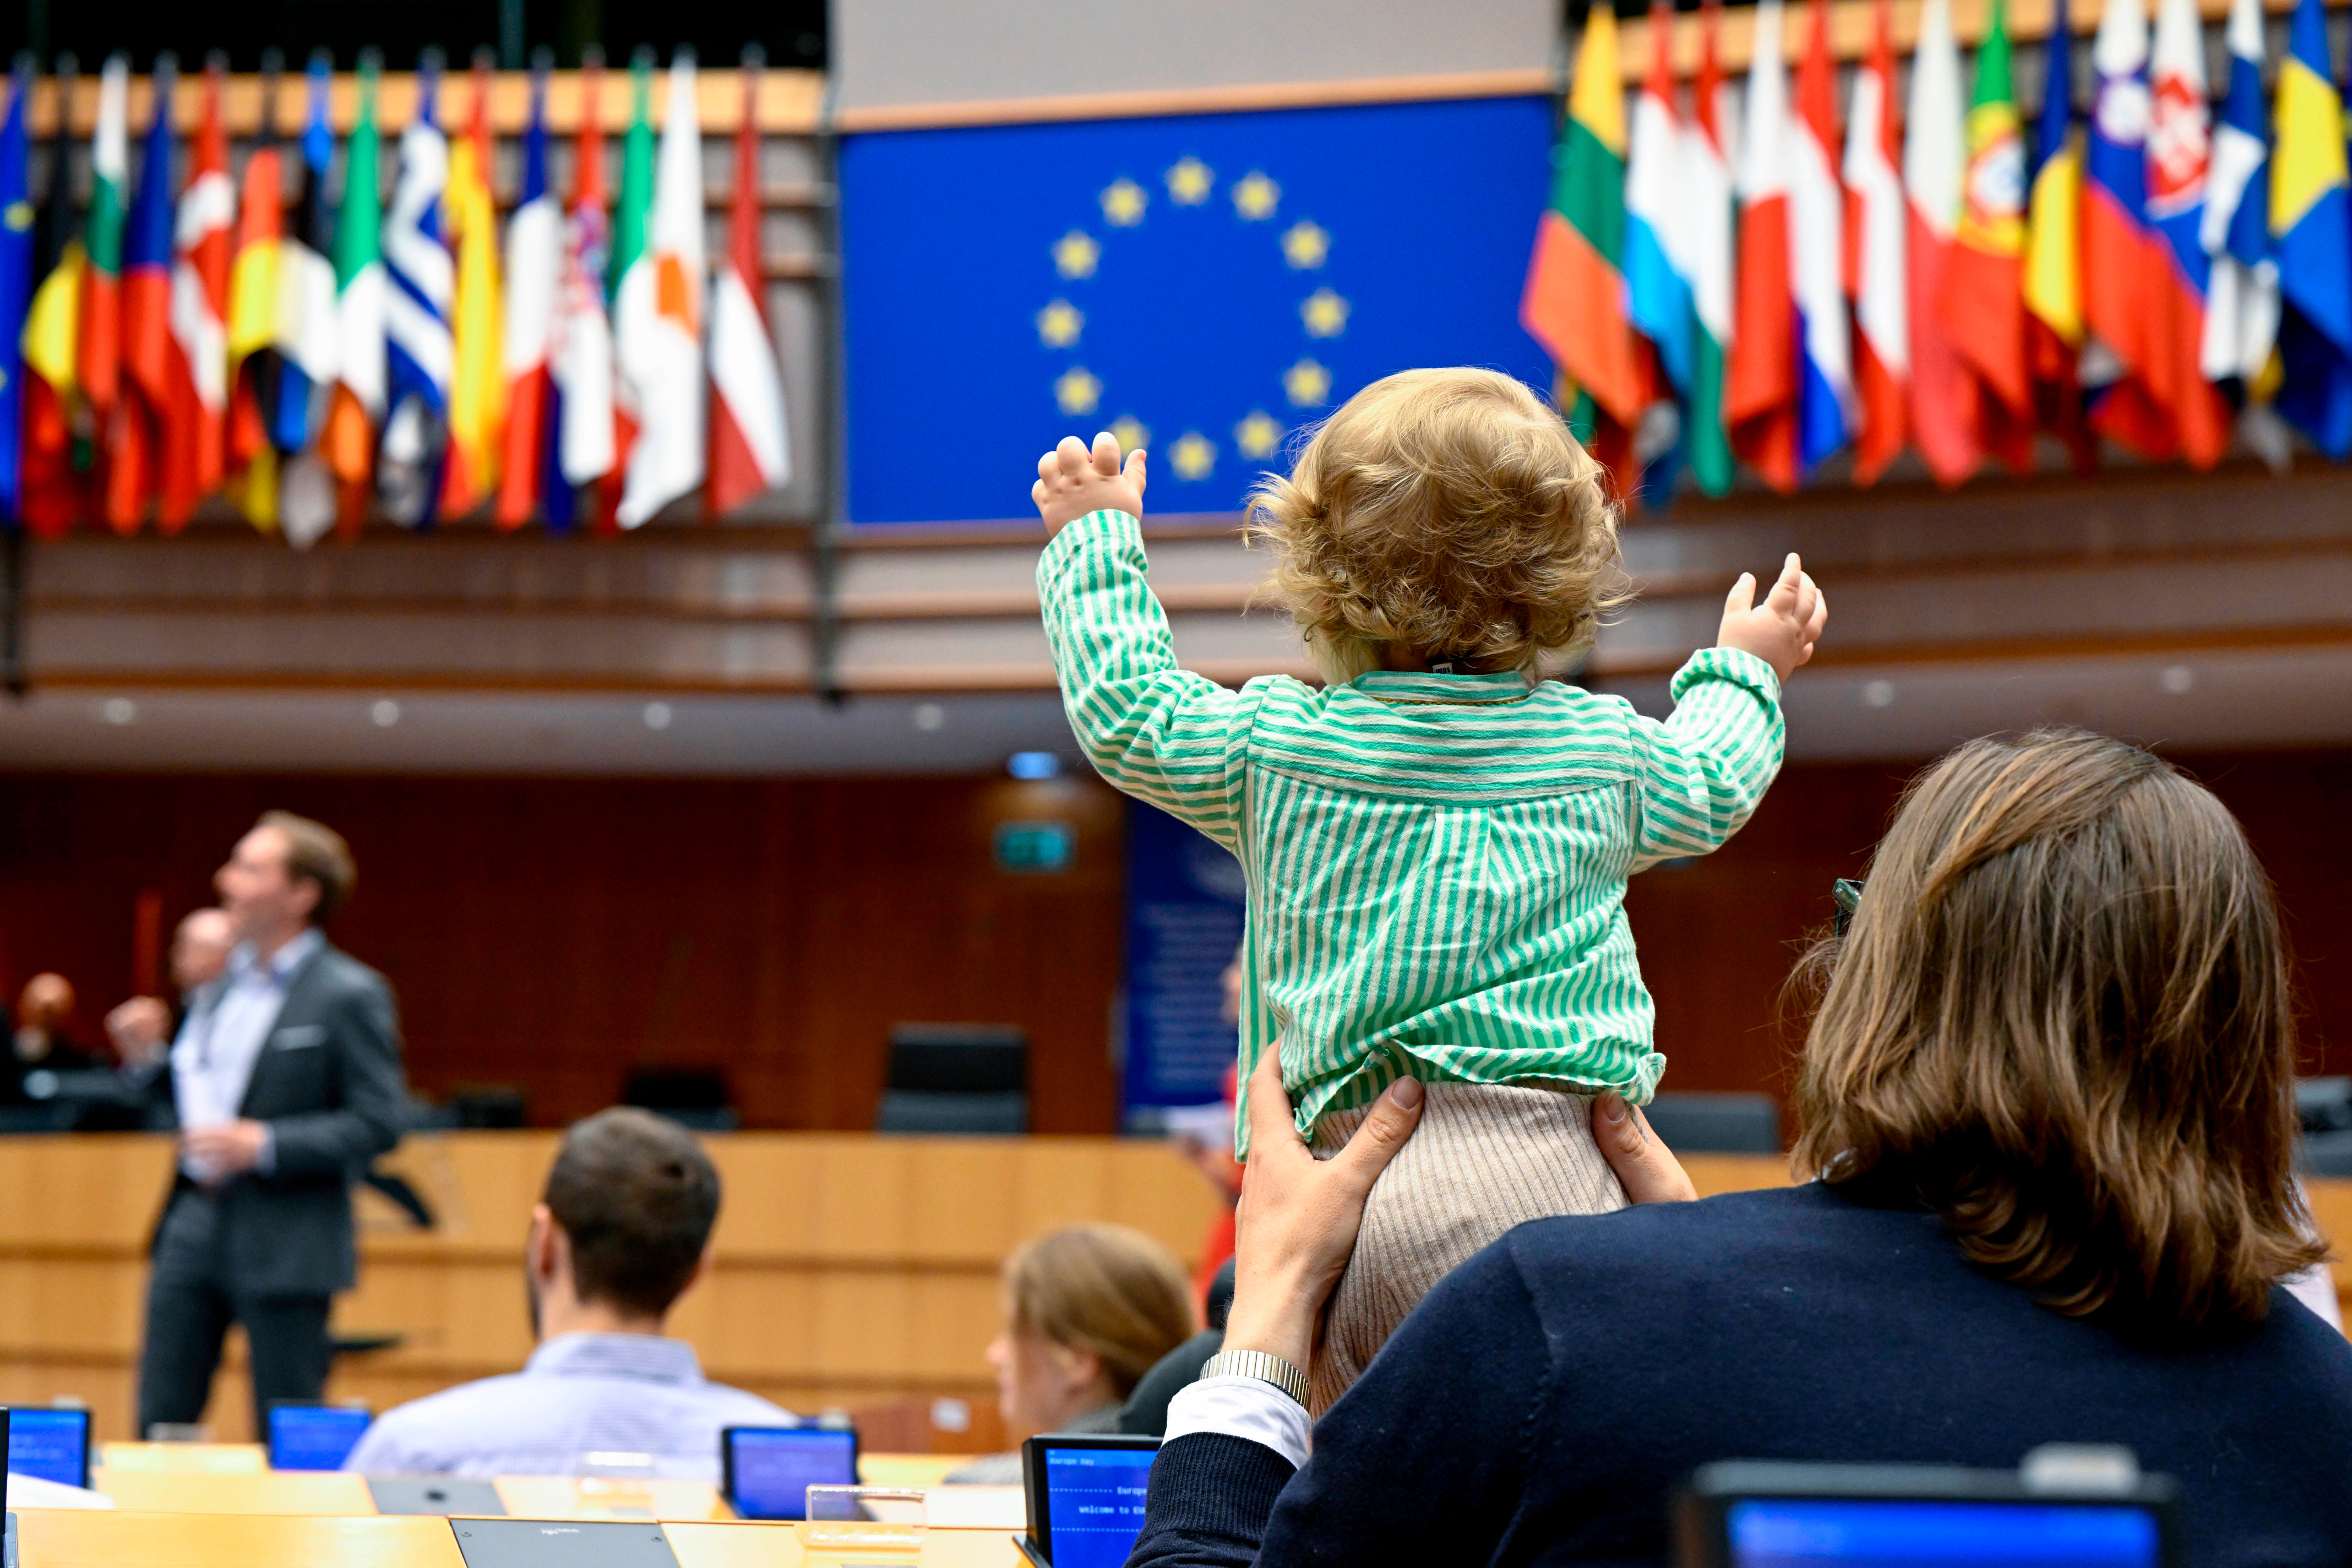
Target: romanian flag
98 359
534 268
2311 220
1943 392
749 447
16 290
194 426
2053 266
477 388
1760 397
2179 157
1817 255
57 444
1984 298
355 411
144 406
1875 221
1574 303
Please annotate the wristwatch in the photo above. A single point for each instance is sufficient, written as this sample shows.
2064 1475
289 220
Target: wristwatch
1260 1364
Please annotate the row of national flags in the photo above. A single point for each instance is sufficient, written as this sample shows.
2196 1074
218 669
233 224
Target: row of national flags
189 334
2169 272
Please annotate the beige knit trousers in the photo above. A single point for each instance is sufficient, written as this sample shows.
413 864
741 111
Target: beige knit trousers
1484 1158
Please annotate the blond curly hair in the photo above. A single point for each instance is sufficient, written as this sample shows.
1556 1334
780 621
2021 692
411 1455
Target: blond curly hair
1447 513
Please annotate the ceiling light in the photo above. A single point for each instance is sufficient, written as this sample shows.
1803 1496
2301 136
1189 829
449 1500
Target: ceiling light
929 716
118 710
1878 693
386 714
658 715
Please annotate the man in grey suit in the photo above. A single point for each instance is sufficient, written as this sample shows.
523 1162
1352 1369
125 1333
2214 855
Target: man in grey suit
286 1081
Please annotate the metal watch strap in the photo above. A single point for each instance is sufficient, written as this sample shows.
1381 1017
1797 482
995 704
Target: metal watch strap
1263 1366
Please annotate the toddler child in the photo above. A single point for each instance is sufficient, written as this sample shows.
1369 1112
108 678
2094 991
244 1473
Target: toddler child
1436 841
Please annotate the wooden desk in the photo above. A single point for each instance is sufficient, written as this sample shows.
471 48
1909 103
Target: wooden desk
319 1494
184 1459
58 1538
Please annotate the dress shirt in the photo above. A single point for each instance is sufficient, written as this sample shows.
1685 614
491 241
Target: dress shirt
578 1394
212 1062
1236 1406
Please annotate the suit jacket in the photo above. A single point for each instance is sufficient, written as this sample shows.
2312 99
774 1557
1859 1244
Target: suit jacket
328 1084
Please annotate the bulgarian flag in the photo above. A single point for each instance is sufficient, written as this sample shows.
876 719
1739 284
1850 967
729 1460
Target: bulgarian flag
478 387
1875 221
534 265
98 359
193 425
630 220
1574 302
1760 399
580 433
1699 244
1984 277
749 451
657 316
1943 392
134 440
355 411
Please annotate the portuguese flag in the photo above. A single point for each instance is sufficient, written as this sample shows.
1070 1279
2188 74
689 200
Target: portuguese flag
1575 300
1984 278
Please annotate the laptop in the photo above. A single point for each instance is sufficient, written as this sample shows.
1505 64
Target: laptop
1753 1514
435 1494
1086 1497
52 1445
304 1435
562 1544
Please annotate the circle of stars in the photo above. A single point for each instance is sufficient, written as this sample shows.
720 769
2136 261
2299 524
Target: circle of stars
1077 391
1308 385
1305 245
1123 203
1189 181
1077 254
1255 196
1259 436
1059 324
1193 456
1324 313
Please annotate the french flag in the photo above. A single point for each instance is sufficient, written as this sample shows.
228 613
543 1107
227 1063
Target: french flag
1878 218
534 262
1817 254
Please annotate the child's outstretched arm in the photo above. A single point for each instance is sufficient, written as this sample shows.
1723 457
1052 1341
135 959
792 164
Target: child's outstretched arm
1161 733
1707 765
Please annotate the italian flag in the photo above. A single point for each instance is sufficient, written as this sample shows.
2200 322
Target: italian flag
657 316
631 216
1574 303
1984 275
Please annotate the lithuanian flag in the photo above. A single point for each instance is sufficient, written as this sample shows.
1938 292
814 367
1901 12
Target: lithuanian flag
1575 300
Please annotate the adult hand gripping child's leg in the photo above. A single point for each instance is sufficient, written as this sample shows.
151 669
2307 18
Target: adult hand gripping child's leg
1073 482
1782 630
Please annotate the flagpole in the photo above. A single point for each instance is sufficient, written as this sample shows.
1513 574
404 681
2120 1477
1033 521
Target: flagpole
12 611
834 515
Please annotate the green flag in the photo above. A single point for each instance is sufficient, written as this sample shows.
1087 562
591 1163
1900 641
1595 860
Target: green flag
633 212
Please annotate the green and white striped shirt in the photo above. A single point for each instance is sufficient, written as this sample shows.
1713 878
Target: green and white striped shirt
1436 863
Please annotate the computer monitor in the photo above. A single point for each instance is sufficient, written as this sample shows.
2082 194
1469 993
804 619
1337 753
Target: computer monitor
1755 1515
52 1444
1085 1497
768 1470
314 1436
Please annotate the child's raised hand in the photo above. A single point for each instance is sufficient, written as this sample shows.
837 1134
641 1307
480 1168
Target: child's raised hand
1782 630
1073 482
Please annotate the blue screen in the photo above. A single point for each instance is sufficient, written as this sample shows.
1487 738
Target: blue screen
313 1436
1094 1499
1787 1534
774 1467
52 1444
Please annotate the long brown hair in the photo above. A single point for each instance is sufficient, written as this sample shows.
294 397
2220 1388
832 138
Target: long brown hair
2061 1019
1105 1288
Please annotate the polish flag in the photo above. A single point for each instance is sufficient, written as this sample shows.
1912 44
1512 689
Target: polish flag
749 451
1817 253
195 418
1943 393
1760 399
534 260
1877 219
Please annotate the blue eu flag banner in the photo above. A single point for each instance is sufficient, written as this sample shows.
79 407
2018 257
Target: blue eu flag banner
1202 284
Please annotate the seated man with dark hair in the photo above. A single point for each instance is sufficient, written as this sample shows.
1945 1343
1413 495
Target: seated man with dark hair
622 1231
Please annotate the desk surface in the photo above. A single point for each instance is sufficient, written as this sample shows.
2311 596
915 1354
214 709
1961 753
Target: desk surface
58 1538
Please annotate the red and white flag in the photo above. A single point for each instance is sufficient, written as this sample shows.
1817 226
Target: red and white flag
1760 395
196 419
534 260
1935 157
1875 221
749 449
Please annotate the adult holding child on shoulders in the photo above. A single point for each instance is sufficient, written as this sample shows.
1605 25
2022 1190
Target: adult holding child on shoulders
2048 1096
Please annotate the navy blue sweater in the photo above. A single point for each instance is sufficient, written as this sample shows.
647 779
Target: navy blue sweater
1542 1404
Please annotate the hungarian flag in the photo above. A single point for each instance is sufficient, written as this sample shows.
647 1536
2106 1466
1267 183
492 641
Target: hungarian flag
2180 142
99 360
749 447
416 316
477 388
253 322
1760 390
579 371
309 335
1817 257
142 406
1574 301
1984 274
2241 293
15 289
657 317
57 429
631 219
534 269
355 409
193 427
1875 222
2053 270
1943 392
